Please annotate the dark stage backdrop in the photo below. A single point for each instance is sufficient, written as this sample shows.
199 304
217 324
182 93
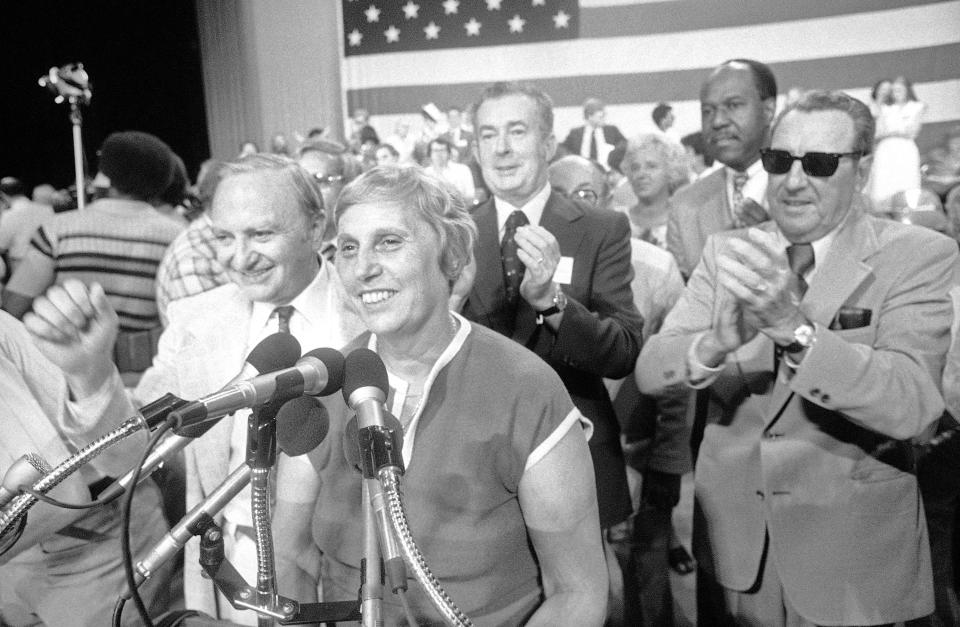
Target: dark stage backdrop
143 60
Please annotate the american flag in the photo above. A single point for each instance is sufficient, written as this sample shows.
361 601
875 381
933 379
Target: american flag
401 54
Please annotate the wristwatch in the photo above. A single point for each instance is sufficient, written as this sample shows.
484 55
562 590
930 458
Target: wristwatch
559 304
803 338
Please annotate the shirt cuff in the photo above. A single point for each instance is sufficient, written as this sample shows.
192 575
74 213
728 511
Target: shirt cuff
699 375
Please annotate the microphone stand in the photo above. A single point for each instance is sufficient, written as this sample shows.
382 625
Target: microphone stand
263 597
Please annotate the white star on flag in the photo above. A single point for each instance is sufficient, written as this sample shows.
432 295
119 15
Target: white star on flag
473 27
516 24
411 10
373 14
392 34
432 30
493 5
355 37
561 20
450 6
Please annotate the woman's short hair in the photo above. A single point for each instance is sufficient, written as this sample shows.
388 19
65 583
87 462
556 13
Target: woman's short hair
306 187
835 100
432 200
670 152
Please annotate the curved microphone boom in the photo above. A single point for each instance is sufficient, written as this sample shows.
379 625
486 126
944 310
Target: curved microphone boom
20 504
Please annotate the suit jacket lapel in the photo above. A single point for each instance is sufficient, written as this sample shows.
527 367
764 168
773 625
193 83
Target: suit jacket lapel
489 279
837 277
224 344
717 217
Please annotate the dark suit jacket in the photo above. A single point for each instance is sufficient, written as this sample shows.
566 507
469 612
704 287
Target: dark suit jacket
600 335
813 463
611 134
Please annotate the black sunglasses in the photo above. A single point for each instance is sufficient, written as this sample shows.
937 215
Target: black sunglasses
821 164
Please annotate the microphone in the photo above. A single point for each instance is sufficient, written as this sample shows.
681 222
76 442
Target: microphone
304 410
302 424
276 351
365 384
25 471
318 373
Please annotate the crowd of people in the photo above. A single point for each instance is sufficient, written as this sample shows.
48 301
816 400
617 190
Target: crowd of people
567 329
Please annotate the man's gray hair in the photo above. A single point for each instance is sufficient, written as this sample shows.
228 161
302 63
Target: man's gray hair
306 187
540 98
835 100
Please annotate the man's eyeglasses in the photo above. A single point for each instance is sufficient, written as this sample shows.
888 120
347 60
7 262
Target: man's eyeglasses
587 195
820 164
328 179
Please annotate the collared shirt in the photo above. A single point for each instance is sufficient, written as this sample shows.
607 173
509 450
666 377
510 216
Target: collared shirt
314 326
533 209
755 188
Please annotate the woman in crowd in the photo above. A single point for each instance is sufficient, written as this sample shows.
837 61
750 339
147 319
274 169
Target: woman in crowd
656 167
896 160
499 485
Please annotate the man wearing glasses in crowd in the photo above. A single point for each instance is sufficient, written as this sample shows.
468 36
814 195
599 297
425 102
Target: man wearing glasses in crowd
821 337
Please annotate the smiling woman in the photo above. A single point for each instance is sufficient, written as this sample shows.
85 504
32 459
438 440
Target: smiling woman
500 490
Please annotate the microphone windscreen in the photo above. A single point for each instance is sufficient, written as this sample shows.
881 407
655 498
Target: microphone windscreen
302 424
333 360
364 368
274 352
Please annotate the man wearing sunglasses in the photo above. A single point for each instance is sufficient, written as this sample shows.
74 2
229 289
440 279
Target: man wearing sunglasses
737 104
820 337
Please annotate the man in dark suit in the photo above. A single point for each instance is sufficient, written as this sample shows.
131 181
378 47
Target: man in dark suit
573 305
737 103
594 140
821 337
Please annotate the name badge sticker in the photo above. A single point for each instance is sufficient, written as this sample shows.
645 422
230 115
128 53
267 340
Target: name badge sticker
564 271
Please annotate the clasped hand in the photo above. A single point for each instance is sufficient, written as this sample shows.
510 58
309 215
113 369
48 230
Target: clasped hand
539 251
762 293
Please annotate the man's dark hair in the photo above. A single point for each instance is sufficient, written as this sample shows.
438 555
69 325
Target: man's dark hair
661 111
763 77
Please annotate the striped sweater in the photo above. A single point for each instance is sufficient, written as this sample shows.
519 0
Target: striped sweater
117 243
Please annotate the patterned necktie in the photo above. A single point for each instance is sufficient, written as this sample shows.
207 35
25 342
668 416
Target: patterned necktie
512 266
800 257
739 180
283 318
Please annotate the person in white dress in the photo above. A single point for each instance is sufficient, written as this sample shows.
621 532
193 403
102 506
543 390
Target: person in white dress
896 161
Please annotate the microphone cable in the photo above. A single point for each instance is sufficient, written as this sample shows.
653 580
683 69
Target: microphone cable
172 421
